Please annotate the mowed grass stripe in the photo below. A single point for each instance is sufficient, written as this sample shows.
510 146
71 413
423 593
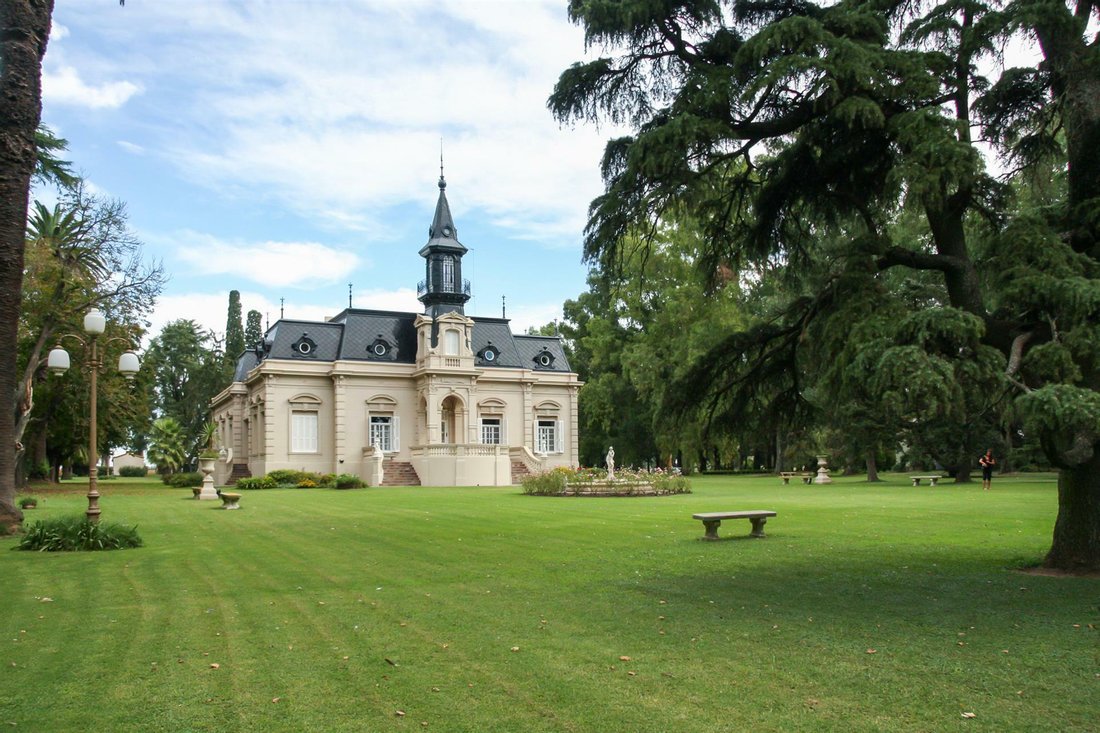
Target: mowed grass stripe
775 633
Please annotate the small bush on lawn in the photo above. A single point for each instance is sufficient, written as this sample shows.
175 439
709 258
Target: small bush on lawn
326 480
673 483
133 471
307 484
256 482
184 480
72 534
28 502
547 482
287 476
39 470
349 481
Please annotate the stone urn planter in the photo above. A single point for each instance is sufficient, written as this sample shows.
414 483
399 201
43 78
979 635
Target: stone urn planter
206 466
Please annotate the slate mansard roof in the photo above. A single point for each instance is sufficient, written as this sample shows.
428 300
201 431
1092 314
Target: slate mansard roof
390 337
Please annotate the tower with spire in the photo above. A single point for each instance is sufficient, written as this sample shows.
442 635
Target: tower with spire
443 289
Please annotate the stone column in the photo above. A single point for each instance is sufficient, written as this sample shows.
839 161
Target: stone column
339 424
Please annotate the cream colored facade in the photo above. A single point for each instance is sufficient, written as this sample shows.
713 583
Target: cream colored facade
456 419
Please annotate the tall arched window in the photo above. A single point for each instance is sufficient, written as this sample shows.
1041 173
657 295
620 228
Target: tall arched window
450 342
449 275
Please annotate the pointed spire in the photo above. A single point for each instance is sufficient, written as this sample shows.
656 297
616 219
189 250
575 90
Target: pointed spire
443 234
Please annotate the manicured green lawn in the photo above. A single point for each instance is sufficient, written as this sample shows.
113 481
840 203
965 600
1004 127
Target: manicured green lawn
867 608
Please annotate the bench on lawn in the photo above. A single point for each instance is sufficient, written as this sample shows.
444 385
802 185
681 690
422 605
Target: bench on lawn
930 479
711 520
229 500
807 478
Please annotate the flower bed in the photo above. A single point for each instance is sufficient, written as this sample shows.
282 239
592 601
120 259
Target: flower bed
594 482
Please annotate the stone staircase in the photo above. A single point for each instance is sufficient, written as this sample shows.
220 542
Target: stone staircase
519 472
399 473
240 470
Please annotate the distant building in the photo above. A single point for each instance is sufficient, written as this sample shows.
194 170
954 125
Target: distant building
123 460
445 398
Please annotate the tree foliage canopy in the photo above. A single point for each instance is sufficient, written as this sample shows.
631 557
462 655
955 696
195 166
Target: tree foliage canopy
831 146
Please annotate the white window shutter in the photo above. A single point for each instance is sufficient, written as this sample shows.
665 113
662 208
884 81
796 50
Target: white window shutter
503 430
558 437
396 433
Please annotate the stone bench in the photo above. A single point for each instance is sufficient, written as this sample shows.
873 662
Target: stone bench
807 478
711 520
230 500
930 479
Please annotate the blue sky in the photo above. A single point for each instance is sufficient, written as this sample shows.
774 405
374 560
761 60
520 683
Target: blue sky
287 148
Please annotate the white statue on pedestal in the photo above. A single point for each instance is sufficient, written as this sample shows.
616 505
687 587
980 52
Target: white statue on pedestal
611 463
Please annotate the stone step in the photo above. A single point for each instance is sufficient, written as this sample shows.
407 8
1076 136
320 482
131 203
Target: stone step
240 470
399 473
519 472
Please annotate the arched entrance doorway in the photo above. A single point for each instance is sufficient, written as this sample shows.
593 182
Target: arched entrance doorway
452 418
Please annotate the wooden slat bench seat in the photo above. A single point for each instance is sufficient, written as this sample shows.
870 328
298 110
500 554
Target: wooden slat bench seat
711 520
930 479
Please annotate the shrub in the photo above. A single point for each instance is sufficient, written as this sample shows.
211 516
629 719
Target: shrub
327 480
307 484
287 476
70 534
348 481
254 483
673 483
547 482
27 502
39 470
133 471
184 480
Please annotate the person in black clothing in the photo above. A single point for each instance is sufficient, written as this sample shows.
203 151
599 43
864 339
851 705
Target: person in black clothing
987 463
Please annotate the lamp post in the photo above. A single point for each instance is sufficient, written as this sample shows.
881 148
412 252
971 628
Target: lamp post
58 361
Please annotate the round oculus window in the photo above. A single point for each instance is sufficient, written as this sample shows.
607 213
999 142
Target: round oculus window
489 355
545 359
304 347
380 349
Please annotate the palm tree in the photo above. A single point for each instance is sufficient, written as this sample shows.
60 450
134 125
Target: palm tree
22 46
167 447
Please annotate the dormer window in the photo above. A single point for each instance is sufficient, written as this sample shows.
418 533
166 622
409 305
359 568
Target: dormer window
489 354
305 346
380 348
544 359
451 340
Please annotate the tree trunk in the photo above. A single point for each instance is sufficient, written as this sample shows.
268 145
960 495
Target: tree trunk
962 468
779 450
24 31
872 467
1076 544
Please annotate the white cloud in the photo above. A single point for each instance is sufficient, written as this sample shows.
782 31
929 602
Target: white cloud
63 85
402 299
270 263
353 126
535 314
130 147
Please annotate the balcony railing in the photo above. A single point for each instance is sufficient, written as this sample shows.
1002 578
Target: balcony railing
445 287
